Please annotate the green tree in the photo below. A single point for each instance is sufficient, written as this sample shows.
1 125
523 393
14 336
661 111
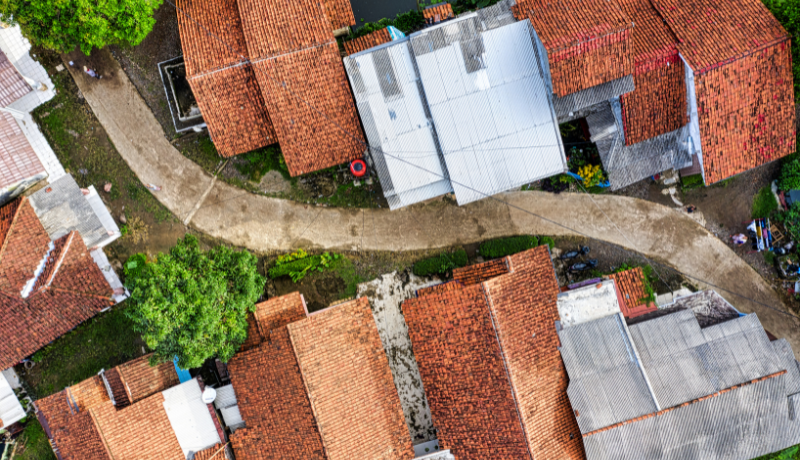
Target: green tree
61 25
193 304
787 12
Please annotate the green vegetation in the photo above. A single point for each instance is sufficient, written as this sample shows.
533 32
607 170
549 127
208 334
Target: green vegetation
501 247
298 264
257 163
787 12
441 264
193 304
764 204
693 181
100 343
548 241
33 443
769 257
789 178
83 148
791 221
62 25
790 453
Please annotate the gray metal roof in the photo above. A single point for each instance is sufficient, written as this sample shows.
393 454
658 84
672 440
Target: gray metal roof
572 106
708 307
681 363
463 106
62 208
628 164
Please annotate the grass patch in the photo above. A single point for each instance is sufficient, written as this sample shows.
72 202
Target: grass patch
100 343
441 264
725 183
257 163
84 149
790 453
501 247
548 241
764 204
693 181
35 442
346 270
769 257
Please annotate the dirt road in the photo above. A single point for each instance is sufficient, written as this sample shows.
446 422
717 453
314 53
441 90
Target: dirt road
264 224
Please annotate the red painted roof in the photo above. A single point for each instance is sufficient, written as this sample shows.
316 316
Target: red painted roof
488 358
85 425
587 41
69 283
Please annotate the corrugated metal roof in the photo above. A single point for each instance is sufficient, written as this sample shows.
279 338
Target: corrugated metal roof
571 106
628 164
683 364
11 410
190 417
397 123
606 383
226 397
491 106
461 106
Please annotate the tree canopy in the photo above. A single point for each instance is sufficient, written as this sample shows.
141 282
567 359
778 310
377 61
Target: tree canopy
61 25
191 303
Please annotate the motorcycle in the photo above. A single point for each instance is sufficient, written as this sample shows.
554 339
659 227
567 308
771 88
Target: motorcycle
573 254
583 266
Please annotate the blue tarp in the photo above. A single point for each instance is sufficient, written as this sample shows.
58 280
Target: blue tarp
183 374
395 33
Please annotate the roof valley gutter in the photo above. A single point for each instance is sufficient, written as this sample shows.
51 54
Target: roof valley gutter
100 434
489 306
624 329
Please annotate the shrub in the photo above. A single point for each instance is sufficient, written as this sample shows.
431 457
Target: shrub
501 247
787 12
548 241
441 264
789 178
297 269
693 181
764 204
409 21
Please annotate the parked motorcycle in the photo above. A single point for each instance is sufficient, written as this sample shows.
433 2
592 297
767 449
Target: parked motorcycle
583 266
573 254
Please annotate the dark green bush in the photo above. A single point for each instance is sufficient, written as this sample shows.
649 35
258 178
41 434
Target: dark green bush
789 178
550 242
409 21
501 247
294 266
441 264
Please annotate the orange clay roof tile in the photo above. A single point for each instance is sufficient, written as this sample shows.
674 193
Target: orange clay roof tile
372 39
438 13
631 294
479 273
490 365
587 42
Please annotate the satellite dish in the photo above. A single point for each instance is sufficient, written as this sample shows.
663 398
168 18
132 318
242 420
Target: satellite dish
209 395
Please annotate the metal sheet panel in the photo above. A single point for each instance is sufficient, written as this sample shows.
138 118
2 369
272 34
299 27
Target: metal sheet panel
11 410
226 397
189 417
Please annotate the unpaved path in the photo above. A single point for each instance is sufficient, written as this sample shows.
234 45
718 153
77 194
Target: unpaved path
264 224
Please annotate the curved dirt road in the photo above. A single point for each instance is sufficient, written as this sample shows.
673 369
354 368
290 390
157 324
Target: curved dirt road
264 224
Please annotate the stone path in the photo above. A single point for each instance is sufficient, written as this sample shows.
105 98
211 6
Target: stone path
264 224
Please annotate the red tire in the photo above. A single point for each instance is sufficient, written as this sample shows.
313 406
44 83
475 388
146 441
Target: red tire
358 168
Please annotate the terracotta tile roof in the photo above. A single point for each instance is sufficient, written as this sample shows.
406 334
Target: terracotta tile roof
280 311
746 112
438 13
233 109
453 285
339 13
478 273
316 124
12 85
587 42
118 389
70 283
296 40
365 42
340 353
213 452
631 294
658 104
711 32
18 161
490 365
225 47
85 425
274 405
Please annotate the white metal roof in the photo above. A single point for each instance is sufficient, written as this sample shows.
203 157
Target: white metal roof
11 410
190 417
490 104
392 109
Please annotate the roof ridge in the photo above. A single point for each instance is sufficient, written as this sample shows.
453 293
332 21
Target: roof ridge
687 403
21 202
63 250
80 293
739 56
